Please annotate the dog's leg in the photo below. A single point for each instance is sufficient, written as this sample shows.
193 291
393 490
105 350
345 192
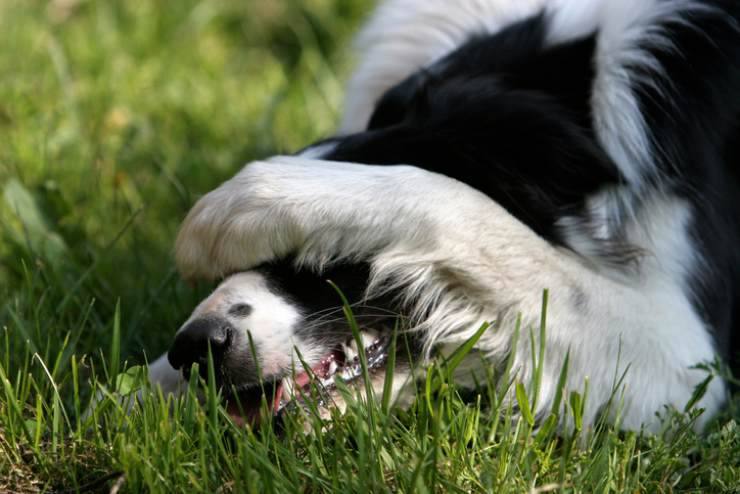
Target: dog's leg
462 260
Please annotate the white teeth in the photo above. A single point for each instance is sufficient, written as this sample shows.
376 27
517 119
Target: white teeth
367 337
346 373
332 367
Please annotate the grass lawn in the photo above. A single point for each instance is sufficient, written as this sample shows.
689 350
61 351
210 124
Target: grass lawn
114 117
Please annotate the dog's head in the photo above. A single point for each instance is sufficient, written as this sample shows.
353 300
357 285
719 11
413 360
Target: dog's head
274 331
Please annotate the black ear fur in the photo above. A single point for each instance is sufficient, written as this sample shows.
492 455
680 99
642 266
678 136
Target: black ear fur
517 57
396 103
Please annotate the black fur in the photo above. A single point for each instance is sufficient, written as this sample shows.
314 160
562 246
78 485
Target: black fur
321 298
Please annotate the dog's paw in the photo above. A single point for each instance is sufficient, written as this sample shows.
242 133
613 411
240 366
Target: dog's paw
244 222
292 205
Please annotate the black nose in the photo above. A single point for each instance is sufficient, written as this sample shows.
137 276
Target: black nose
192 342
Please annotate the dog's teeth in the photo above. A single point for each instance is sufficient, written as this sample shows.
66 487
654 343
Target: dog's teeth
350 350
368 338
332 367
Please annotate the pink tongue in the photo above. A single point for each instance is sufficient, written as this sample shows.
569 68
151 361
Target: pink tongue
320 370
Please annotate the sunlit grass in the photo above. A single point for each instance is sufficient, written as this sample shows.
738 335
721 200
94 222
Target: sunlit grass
114 118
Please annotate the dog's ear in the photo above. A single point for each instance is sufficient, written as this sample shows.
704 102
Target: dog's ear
481 53
399 101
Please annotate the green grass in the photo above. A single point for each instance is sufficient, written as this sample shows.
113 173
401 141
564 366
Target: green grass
114 117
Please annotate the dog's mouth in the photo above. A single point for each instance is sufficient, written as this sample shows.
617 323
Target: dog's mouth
342 364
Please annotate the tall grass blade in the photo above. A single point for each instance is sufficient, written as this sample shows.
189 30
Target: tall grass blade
457 356
114 358
390 368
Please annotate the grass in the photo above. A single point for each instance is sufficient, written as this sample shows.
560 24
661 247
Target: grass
114 117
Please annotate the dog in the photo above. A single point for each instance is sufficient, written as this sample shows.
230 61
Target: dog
490 150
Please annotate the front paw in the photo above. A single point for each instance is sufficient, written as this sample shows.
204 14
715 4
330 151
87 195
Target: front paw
244 222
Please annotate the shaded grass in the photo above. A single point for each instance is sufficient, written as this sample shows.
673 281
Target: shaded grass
114 117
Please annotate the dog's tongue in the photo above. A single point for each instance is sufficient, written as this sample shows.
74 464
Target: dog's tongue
322 370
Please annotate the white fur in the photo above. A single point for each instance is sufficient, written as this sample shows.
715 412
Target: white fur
318 151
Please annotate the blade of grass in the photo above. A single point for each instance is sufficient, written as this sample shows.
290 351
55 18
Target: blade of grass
115 345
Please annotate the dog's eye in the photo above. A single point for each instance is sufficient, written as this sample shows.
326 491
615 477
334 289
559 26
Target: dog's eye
240 310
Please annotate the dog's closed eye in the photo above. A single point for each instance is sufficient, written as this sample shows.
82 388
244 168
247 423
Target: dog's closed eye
240 310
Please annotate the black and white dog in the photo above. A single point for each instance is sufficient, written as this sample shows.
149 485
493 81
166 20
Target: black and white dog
492 149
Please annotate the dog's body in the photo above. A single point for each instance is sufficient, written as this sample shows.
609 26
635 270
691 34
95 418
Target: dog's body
581 146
